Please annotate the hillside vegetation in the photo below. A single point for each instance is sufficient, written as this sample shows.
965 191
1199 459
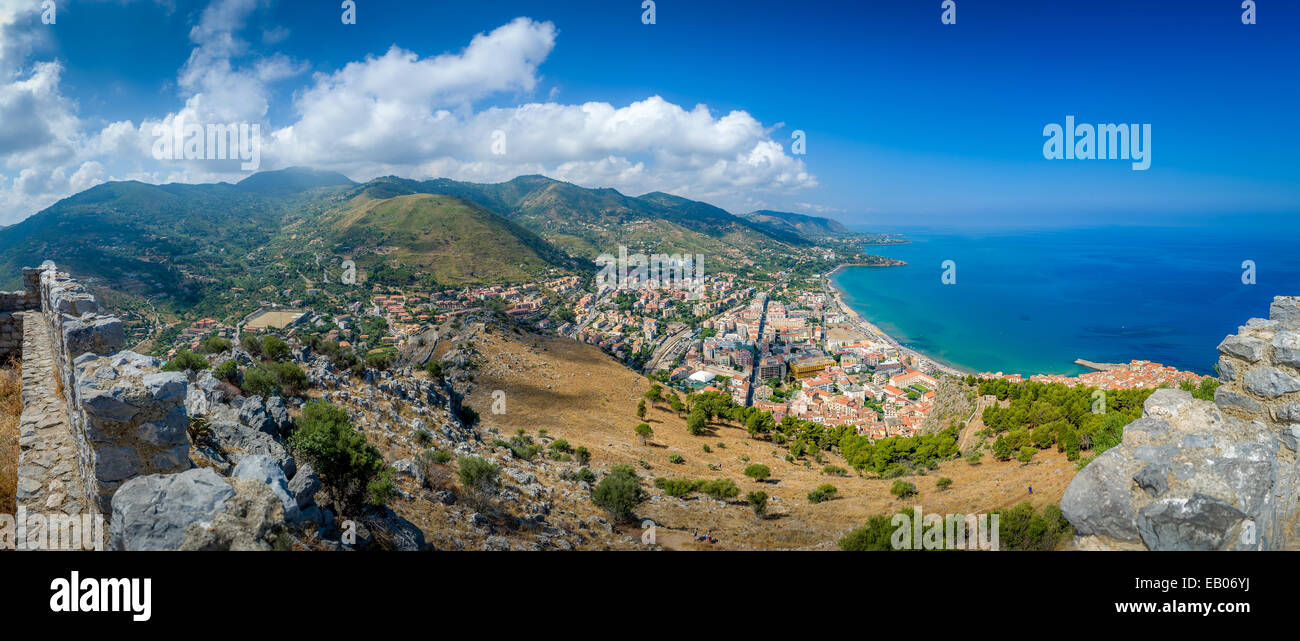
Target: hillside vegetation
454 241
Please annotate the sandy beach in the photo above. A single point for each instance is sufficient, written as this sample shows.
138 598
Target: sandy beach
867 327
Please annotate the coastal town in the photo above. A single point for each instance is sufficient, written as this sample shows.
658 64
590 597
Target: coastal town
804 353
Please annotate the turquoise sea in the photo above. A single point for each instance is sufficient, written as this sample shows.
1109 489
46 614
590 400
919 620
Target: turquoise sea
1033 301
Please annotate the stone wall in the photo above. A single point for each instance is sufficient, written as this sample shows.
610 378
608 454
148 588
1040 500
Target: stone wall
12 306
1193 474
94 415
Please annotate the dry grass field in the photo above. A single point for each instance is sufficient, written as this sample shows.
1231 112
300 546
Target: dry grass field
11 408
577 393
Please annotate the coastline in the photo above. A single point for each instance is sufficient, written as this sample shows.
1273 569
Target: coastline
862 324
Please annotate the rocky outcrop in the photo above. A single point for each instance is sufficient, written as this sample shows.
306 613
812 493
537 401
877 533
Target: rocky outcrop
1196 475
201 510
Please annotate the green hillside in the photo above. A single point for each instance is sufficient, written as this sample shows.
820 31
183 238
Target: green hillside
453 241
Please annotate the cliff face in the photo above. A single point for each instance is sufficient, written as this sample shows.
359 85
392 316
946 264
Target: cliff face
1195 475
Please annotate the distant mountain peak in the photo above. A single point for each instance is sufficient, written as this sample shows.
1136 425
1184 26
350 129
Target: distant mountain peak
292 179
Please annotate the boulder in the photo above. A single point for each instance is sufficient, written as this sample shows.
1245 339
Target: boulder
152 512
261 468
238 441
304 485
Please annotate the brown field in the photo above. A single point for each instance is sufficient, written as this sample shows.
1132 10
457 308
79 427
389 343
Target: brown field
277 318
11 408
577 393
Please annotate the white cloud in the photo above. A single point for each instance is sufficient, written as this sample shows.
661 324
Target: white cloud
395 113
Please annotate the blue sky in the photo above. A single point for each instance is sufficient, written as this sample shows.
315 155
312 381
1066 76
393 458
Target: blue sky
908 121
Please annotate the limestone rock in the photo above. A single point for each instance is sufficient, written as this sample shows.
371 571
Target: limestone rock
152 512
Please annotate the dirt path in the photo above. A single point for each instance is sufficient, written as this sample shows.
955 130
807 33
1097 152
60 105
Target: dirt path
976 422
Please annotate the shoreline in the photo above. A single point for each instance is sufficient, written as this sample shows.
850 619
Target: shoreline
861 323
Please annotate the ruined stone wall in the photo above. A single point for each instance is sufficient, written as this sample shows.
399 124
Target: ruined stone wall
94 415
12 306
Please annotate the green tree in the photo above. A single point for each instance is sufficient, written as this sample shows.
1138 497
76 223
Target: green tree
214 345
186 361
757 501
251 344
758 472
274 348
619 493
346 463
695 422
655 393
645 432
640 409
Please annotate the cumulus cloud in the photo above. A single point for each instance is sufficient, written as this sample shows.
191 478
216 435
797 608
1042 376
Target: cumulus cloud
467 115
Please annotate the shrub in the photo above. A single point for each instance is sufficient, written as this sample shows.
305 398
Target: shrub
260 381
434 368
1020 528
875 536
721 489
974 457
1026 454
423 437
521 446
677 487
619 492
757 501
434 465
251 344
227 371
347 465
834 470
676 459
758 472
214 345
274 348
902 489
943 483
274 379
186 361
583 455
479 477
824 492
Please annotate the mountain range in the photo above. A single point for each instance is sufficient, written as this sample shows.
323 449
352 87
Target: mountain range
173 241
